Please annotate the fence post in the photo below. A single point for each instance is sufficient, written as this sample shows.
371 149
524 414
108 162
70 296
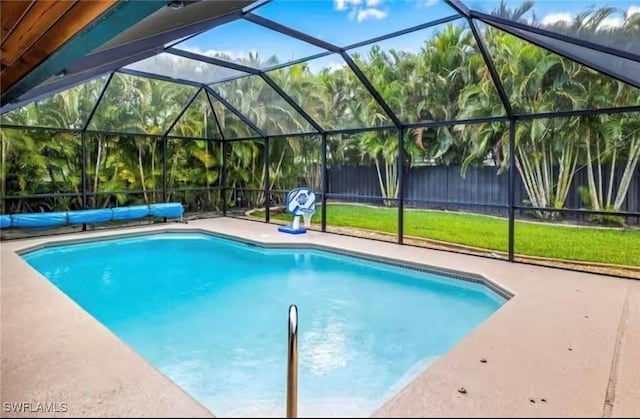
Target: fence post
325 178
223 181
400 192
165 141
511 186
83 168
266 181
165 196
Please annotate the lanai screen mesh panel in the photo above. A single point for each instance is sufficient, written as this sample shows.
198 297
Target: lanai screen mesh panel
67 109
140 105
539 81
606 22
330 93
248 44
344 23
182 68
418 74
262 105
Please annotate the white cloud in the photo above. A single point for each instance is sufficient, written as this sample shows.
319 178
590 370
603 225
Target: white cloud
608 23
344 4
611 23
215 53
361 12
430 2
556 18
371 13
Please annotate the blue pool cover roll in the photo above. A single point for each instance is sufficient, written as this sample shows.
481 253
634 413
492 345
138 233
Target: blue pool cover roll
5 221
139 211
120 213
53 219
39 219
90 216
169 210
130 213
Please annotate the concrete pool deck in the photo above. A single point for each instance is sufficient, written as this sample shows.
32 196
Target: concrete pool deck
569 338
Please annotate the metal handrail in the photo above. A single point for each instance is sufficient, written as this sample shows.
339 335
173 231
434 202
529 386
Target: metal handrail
292 364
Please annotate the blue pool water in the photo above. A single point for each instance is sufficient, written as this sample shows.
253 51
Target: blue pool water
211 314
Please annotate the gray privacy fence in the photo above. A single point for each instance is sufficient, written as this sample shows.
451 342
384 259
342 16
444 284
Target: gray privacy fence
480 190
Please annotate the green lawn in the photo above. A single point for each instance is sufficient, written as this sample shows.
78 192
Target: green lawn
535 239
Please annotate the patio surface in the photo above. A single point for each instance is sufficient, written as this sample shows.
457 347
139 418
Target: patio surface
569 338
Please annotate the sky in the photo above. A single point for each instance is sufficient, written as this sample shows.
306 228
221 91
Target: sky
344 22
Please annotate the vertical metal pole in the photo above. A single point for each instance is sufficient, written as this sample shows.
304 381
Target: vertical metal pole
325 178
511 186
165 196
292 363
165 141
224 178
83 170
267 194
400 185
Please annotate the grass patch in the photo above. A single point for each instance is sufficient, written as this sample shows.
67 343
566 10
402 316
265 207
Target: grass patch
589 244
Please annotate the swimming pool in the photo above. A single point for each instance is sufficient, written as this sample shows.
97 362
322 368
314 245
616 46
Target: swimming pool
211 313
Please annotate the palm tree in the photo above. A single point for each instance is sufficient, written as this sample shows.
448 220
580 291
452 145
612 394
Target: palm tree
536 82
504 10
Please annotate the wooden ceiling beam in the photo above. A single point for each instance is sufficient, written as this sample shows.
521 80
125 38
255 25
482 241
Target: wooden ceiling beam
12 14
42 16
70 23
